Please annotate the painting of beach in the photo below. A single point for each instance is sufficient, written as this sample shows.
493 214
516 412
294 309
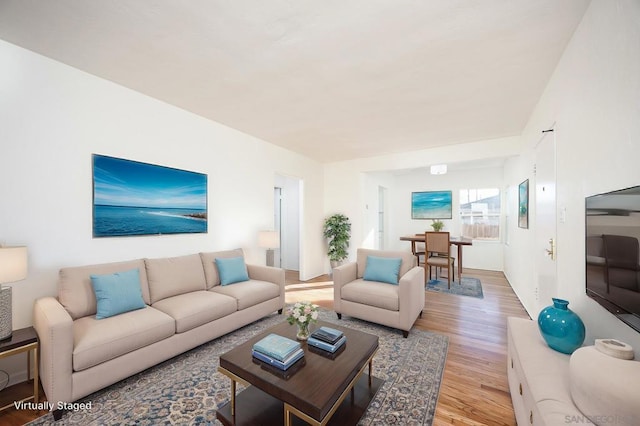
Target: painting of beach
133 198
431 205
523 204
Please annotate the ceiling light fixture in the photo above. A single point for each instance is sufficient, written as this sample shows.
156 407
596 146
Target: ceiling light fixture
438 169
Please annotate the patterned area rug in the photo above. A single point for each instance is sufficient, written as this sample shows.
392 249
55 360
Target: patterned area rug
188 388
468 287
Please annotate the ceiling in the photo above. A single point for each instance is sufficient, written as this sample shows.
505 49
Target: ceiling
330 79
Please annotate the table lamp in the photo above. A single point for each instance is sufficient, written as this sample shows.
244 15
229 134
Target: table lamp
13 267
269 240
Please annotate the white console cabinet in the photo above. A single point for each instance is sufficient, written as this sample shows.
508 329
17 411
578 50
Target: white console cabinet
538 378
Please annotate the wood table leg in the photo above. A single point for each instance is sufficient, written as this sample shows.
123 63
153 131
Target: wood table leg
233 397
459 263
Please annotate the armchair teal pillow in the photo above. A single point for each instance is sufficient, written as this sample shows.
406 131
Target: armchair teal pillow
117 293
382 269
232 270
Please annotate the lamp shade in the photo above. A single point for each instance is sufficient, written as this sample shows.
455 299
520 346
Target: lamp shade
13 264
269 239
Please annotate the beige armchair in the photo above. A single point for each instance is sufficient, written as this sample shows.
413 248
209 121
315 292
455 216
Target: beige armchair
396 306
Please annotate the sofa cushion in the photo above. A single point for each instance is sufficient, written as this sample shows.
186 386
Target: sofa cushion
232 270
76 294
190 310
249 293
372 293
97 341
209 264
117 293
382 269
174 275
408 260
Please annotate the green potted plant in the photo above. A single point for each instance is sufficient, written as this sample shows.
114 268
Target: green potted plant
337 230
437 225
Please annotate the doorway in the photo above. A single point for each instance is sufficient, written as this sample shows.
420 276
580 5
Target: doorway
382 194
545 219
287 202
277 224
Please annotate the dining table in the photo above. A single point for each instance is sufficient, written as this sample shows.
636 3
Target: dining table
454 241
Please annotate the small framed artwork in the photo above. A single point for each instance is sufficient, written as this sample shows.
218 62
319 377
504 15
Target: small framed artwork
431 205
523 204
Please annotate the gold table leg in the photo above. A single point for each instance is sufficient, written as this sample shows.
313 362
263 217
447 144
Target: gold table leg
287 416
36 376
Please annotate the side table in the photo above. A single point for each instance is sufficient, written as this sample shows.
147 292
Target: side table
23 340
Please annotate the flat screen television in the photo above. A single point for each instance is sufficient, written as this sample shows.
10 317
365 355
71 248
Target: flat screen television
612 252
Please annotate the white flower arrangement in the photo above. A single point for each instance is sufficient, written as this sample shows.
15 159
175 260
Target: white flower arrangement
302 313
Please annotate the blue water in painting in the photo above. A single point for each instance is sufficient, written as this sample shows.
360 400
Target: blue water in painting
112 221
431 205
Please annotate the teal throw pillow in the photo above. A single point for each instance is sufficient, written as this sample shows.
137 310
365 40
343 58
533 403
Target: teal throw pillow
232 270
117 293
382 269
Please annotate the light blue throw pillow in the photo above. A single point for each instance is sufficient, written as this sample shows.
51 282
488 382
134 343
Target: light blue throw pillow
232 270
117 293
382 269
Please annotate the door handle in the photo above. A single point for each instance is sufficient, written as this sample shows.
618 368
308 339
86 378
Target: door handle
552 250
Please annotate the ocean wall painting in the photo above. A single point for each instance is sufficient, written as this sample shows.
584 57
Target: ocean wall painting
133 198
523 204
431 205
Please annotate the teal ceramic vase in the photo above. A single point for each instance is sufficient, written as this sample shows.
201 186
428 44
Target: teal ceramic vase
561 328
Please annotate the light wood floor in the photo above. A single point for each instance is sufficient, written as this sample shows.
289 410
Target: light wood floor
474 389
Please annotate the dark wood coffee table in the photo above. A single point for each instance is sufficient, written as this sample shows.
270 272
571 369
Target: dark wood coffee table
315 391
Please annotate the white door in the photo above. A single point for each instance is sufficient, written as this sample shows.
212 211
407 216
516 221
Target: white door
545 220
381 217
277 224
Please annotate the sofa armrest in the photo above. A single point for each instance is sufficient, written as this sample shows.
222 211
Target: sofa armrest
270 274
411 294
266 273
54 327
342 275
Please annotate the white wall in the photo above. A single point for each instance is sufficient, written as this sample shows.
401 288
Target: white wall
351 188
593 96
482 254
53 117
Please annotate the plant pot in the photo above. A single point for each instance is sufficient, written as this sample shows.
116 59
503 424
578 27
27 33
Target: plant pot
336 263
561 328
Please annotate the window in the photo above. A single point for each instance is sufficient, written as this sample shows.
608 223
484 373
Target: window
480 213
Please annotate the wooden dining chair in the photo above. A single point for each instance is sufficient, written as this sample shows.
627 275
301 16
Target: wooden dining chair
438 254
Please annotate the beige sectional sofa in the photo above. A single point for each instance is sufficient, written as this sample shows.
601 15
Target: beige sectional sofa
394 305
185 306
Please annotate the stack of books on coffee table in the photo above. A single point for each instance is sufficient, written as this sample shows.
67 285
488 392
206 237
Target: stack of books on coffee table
277 351
327 338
